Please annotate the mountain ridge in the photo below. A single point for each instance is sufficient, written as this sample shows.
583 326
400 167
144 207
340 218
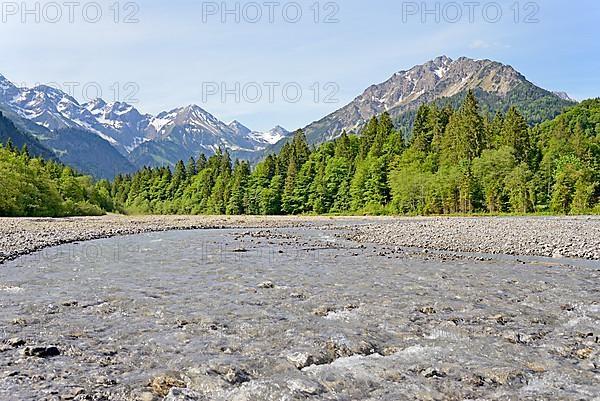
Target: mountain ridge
405 90
182 131
187 131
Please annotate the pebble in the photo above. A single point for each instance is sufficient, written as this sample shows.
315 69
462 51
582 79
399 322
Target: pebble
183 394
161 385
41 352
266 285
301 360
554 237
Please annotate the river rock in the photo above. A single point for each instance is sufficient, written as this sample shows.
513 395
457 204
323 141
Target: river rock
183 394
161 385
305 387
302 360
15 342
41 352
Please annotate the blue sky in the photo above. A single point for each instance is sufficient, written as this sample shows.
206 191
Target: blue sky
178 50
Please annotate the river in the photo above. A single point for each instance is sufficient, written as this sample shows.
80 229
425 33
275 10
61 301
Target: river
293 314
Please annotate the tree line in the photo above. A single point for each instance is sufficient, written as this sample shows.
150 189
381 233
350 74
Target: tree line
456 160
34 187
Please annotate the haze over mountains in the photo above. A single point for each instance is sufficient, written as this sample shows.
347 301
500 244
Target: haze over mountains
105 139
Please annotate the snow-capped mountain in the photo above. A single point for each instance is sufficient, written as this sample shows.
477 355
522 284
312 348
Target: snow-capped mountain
7 89
121 121
272 136
118 123
194 127
184 131
52 120
263 139
188 131
239 129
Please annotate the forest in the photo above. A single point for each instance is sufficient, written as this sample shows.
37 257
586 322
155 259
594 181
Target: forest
455 161
34 187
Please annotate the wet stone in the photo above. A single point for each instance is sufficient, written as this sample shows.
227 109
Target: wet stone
161 385
305 387
41 352
301 360
231 374
72 393
266 285
428 310
432 373
183 394
584 353
15 342
323 310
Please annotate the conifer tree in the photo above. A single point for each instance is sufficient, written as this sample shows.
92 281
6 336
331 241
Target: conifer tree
515 133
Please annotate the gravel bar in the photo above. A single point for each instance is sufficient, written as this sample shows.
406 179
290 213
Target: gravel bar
577 237
557 237
22 236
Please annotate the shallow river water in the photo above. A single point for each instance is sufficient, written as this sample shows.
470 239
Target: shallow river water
293 314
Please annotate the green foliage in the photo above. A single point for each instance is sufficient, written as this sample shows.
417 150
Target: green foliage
457 160
37 188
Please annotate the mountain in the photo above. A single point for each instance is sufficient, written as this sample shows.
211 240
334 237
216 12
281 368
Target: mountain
189 131
272 136
142 138
120 121
55 126
87 152
444 80
239 129
564 96
183 132
47 113
195 129
83 150
51 108
8 131
261 139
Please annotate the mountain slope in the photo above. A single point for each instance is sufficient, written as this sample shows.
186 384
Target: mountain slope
190 131
83 150
88 153
8 131
496 84
185 131
121 121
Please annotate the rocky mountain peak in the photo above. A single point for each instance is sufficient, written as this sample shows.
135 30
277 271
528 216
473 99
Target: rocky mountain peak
436 79
239 128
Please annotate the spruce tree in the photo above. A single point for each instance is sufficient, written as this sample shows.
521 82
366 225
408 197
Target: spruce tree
471 135
515 133
422 134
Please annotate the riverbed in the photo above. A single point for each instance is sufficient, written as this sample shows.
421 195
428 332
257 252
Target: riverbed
304 312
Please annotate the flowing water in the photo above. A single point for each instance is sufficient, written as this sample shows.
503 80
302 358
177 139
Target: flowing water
292 314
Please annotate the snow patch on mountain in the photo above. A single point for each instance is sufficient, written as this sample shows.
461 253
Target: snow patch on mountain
272 136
